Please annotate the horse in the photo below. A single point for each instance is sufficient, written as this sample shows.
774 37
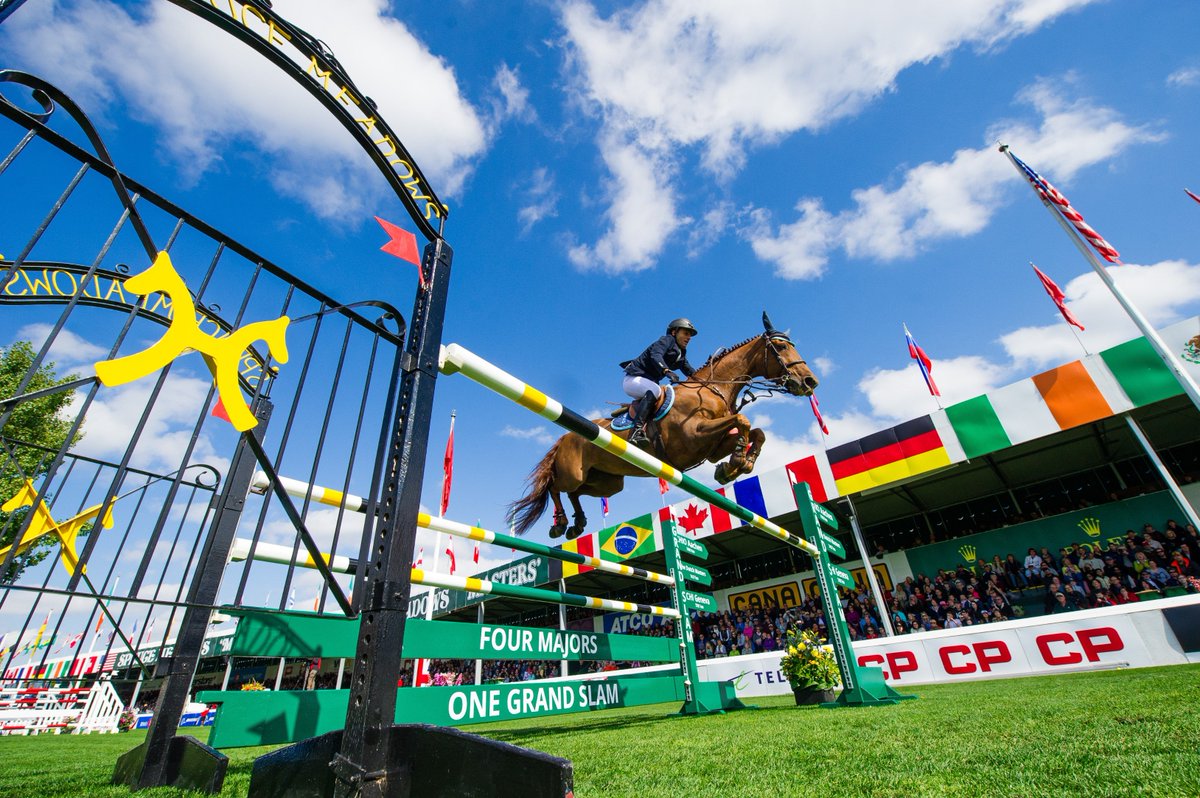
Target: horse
703 424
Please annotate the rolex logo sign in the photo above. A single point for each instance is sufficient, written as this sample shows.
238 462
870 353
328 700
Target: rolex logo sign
1091 526
967 552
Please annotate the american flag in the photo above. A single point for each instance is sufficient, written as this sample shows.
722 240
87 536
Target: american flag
923 362
1051 194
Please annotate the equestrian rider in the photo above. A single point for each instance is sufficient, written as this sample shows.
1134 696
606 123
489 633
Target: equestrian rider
643 374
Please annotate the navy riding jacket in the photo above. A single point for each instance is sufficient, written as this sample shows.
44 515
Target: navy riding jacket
662 356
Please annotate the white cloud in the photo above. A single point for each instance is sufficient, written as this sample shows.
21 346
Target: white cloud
673 78
68 352
1187 76
536 434
898 394
211 95
540 198
1162 292
114 414
512 97
641 212
950 199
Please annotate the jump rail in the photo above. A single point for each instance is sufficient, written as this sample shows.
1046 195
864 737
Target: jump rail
456 359
269 552
470 584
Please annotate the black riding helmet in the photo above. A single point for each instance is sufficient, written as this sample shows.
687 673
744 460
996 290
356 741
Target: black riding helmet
681 324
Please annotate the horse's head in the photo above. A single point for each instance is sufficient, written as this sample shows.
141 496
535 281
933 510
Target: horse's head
784 364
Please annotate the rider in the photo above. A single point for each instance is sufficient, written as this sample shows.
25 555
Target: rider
643 374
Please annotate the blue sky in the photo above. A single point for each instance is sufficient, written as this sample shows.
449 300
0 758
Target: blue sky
612 166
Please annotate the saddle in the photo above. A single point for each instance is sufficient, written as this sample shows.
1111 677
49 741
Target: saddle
623 421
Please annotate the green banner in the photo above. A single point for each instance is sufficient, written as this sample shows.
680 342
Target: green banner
830 544
824 516
298 635
1094 526
701 601
692 548
532 571
265 717
694 573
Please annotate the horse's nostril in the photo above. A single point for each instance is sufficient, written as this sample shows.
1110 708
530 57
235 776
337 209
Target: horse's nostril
810 383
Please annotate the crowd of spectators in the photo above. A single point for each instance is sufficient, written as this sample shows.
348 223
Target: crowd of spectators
1080 576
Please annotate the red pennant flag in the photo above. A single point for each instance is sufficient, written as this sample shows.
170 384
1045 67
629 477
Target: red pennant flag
816 408
219 411
475 555
403 245
450 554
448 468
1058 296
663 487
1193 196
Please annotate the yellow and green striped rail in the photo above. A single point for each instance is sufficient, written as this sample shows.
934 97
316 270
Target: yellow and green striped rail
456 359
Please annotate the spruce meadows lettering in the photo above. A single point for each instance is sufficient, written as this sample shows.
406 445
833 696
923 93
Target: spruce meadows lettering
29 284
254 21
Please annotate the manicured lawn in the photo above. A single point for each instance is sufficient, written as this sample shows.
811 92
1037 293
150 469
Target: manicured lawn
1111 733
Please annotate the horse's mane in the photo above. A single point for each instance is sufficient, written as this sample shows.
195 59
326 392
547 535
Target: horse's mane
721 352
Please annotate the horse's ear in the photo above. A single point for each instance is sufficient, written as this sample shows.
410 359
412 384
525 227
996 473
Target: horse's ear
767 325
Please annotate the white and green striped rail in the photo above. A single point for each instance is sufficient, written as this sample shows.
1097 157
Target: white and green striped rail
470 584
270 552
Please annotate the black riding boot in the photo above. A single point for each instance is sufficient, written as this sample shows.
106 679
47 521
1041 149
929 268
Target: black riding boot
643 410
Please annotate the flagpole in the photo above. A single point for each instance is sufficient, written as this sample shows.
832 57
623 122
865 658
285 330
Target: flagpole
1168 358
437 546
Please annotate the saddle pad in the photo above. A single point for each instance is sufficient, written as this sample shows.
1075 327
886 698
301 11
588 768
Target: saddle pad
624 422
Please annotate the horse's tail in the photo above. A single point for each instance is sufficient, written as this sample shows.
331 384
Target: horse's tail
529 508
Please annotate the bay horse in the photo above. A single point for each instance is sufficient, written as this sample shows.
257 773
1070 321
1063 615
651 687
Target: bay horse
704 424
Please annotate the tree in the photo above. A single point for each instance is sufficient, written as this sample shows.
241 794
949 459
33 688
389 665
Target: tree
35 431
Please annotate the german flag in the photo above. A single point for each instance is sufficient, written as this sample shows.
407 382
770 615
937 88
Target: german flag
905 450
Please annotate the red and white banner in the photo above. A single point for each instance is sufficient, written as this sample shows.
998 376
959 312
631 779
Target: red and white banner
1128 636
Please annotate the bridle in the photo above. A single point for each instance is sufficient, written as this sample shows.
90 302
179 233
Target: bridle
769 385
785 377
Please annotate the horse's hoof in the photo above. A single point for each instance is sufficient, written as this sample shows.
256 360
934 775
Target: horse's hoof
722 475
574 532
557 530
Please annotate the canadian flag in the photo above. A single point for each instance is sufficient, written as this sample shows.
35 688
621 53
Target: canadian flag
420 561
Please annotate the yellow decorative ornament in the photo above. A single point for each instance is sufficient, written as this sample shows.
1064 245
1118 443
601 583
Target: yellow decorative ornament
44 524
221 355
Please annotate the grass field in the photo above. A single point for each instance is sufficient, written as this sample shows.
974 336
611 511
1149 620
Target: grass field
1110 733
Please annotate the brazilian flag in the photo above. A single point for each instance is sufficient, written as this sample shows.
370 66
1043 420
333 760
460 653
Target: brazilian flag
629 539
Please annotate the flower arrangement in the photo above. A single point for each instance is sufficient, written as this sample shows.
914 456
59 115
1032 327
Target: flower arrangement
253 684
807 663
447 679
127 720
